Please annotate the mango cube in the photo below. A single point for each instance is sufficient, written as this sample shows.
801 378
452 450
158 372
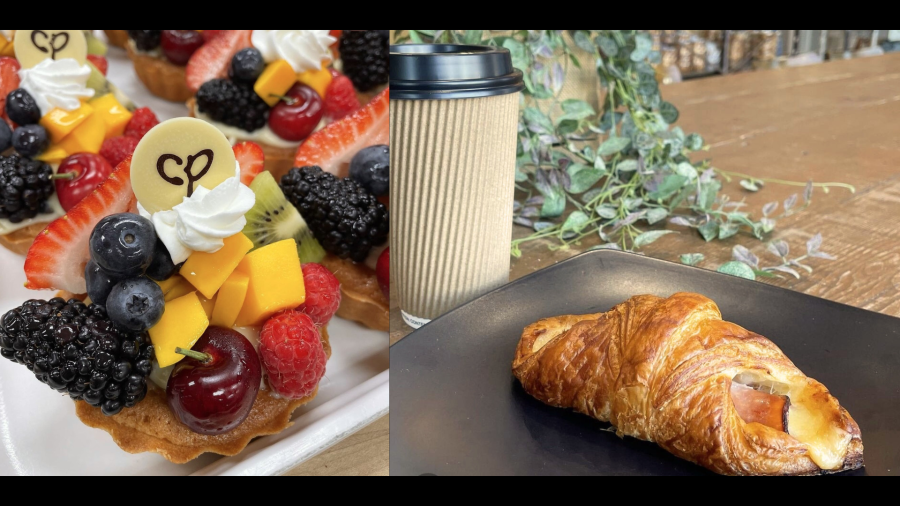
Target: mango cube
7 48
53 154
276 282
181 288
169 284
273 83
230 300
87 137
181 325
208 305
114 114
208 271
316 79
60 122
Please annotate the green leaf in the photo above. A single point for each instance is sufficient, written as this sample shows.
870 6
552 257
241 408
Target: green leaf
649 237
613 145
656 214
473 37
642 46
647 84
520 59
575 110
599 163
738 269
687 170
668 112
591 195
727 230
692 258
607 45
521 177
643 140
607 212
693 142
708 192
537 121
554 203
582 177
709 230
542 225
670 184
749 185
414 36
576 221
583 41
629 165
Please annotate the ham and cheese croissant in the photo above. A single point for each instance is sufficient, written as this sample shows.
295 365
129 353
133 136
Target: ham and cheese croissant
671 371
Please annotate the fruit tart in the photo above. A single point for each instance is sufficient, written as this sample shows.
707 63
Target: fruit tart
202 325
277 87
161 56
64 127
118 38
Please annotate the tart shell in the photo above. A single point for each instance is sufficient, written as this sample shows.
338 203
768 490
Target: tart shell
164 79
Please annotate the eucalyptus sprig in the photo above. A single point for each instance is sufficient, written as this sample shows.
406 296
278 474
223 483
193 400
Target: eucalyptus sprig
621 170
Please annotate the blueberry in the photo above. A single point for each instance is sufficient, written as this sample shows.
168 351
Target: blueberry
99 282
161 267
246 66
21 107
136 304
5 136
123 244
30 140
371 168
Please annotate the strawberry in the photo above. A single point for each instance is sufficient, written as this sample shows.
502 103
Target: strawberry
333 147
58 255
9 80
213 58
251 159
340 97
99 62
141 123
116 149
209 35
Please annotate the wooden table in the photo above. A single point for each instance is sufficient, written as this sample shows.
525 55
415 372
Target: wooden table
838 121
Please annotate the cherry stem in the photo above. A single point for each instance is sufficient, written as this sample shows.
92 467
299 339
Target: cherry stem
67 175
196 355
288 100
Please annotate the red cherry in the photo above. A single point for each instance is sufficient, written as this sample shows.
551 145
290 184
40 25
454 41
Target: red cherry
179 45
213 389
90 170
295 118
383 272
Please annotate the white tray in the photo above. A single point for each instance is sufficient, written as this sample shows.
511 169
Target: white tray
41 435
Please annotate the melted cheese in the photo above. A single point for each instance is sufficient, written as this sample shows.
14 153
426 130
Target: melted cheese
827 443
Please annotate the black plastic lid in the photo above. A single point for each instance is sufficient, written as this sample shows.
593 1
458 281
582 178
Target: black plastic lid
449 71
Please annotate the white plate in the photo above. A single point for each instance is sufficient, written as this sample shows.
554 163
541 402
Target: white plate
41 435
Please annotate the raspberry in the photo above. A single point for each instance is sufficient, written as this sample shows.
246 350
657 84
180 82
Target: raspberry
323 293
141 123
291 352
116 149
99 62
340 97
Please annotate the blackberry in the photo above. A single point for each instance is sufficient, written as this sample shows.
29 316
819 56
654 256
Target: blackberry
232 104
365 55
346 219
146 40
25 186
75 349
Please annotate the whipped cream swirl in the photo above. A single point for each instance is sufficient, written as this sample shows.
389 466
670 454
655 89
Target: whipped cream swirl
203 220
57 83
303 49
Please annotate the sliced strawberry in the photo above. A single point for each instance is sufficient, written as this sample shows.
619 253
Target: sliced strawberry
99 62
209 35
9 80
213 58
251 159
333 147
58 255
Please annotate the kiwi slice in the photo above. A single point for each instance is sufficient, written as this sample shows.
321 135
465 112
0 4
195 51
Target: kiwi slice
94 45
274 219
97 81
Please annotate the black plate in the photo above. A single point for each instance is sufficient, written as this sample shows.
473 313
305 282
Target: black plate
457 410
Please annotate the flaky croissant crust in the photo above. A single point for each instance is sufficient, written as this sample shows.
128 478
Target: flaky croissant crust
661 370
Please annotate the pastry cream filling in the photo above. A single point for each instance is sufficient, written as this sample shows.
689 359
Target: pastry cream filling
793 410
